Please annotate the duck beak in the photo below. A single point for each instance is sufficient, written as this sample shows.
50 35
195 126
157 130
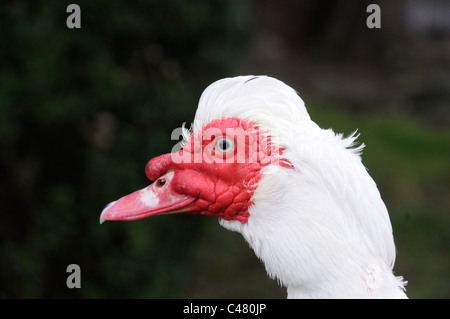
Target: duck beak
155 199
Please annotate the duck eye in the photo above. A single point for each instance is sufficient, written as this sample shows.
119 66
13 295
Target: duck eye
224 145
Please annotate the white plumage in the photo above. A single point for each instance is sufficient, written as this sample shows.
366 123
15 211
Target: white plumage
319 224
322 229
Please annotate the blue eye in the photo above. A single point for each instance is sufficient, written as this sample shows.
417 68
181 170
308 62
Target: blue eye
224 145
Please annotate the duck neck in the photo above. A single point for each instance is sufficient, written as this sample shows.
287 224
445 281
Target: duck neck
371 281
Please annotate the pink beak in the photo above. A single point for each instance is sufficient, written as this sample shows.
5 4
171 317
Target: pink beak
157 198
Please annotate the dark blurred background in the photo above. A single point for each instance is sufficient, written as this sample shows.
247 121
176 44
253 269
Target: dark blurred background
83 110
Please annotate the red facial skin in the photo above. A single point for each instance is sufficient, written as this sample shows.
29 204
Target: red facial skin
205 180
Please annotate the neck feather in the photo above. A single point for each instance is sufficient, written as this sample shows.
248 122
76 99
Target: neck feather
319 240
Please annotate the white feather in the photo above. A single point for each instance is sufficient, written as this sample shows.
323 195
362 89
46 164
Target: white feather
321 229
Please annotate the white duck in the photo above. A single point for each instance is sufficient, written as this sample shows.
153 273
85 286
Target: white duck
298 194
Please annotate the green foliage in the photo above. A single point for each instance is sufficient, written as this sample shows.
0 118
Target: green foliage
81 112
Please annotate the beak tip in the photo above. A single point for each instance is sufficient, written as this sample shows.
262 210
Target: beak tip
102 215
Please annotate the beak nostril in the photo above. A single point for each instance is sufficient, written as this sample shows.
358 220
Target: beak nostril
163 181
160 182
